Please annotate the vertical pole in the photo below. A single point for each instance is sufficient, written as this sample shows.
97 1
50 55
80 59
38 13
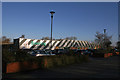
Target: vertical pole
104 31
104 37
51 28
118 25
119 37
52 12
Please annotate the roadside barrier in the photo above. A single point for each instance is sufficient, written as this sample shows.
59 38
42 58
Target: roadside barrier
117 53
21 66
105 55
109 54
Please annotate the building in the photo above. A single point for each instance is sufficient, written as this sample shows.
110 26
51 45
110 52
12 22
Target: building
22 43
8 46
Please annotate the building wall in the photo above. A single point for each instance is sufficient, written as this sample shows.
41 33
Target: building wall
7 46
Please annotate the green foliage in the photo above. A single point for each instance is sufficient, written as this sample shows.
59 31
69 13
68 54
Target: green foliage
44 62
77 59
62 60
118 45
7 56
5 39
16 56
101 52
70 52
85 58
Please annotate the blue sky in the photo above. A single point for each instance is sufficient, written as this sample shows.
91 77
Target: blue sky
80 19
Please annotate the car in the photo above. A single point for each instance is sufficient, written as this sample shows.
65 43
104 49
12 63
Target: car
50 52
59 51
40 53
81 52
74 50
117 51
33 52
45 53
98 53
114 51
91 51
84 52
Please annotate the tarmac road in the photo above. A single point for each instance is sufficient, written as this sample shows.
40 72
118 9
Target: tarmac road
96 68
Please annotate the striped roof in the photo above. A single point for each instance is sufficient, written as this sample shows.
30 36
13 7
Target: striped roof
46 44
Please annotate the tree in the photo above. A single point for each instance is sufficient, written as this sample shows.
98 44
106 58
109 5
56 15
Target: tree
71 38
118 45
0 40
59 39
23 36
5 39
45 38
103 40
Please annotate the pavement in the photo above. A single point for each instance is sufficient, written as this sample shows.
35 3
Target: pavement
95 68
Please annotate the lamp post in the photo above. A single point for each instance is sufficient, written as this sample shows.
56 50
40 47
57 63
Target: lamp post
52 12
119 37
104 37
104 31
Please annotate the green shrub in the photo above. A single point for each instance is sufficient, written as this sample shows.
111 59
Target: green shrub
59 61
70 52
85 58
77 60
44 62
22 56
100 52
54 61
63 58
66 59
7 56
72 59
49 62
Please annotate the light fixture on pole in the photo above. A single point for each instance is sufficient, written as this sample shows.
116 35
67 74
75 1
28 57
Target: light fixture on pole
104 31
52 12
104 37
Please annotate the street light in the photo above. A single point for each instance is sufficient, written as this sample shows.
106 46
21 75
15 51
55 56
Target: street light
52 12
104 37
104 31
119 37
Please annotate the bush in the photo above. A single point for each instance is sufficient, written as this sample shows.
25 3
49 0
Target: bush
70 52
18 55
55 61
100 52
85 58
58 61
7 56
44 62
77 59
48 63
